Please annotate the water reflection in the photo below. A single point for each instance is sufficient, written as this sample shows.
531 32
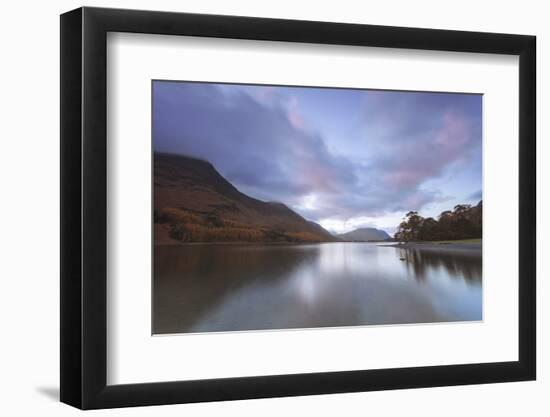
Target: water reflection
200 288
465 265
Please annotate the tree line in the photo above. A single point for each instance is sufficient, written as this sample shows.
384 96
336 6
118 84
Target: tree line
187 226
463 222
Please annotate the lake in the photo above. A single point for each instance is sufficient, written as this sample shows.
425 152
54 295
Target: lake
225 287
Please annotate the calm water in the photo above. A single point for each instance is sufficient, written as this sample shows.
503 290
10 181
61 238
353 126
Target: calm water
203 288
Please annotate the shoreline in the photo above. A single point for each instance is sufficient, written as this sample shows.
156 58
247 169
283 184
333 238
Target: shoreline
455 248
238 243
243 243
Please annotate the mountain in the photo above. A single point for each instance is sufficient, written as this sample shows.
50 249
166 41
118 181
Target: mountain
194 203
364 234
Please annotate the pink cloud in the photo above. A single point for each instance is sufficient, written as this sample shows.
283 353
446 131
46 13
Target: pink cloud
294 116
454 134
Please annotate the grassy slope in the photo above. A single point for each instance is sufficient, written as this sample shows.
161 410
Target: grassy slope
194 203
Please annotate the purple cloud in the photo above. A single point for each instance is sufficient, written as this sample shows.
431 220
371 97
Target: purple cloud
289 144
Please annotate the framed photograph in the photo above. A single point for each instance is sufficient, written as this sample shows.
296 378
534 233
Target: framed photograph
257 208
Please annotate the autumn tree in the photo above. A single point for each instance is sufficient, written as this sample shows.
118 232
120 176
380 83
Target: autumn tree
410 226
463 222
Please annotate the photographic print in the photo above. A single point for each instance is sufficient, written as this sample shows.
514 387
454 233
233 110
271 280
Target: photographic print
289 207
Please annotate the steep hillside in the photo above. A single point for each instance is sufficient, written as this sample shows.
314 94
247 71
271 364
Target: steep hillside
194 203
364 234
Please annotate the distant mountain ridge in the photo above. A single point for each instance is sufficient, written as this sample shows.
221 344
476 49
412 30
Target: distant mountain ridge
194 203
364 234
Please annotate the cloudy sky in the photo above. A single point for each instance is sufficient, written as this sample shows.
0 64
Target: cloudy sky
343 158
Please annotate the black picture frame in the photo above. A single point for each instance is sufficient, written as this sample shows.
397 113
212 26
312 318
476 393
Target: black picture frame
84 207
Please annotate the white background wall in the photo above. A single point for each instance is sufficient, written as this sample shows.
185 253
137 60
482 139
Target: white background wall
29 238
